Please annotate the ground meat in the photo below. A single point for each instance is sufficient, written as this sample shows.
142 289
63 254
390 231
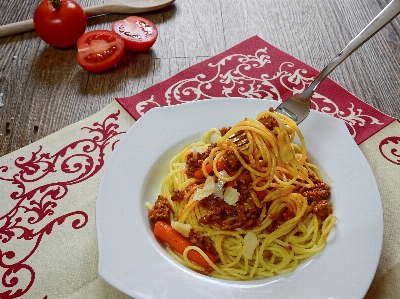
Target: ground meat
160 211
322 208
224 130
244 182
288 214
249 217
202 242
194 160
178 195
319 192
280 218
232 162
269 122
209 201
283 216
227 217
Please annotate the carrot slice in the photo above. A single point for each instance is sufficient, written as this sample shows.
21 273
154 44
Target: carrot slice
221 165
198 174
166 233
261 194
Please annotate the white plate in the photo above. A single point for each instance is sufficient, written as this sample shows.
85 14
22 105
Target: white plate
133 261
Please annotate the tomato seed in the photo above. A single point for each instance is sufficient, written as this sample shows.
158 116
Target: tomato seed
100 37
145 27
101 55
121 29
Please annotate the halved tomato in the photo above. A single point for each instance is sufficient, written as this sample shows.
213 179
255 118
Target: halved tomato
138 33
99 50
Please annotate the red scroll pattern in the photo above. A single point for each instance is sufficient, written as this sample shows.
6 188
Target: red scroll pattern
390 149
256 69
41 181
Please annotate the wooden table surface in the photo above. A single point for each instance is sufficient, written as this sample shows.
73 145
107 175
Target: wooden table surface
43 89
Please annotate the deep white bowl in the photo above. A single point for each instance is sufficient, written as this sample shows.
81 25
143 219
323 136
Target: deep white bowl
133 261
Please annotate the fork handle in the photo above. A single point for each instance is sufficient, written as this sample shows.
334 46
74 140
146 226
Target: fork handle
384 17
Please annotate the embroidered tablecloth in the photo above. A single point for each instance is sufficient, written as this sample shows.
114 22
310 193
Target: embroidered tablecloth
48 245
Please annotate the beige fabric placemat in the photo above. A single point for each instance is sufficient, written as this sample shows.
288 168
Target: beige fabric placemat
54 183
386 169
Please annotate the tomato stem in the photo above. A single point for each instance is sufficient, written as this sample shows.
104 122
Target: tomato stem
56 3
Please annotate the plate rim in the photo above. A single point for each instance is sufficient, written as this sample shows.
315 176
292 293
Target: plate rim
191 105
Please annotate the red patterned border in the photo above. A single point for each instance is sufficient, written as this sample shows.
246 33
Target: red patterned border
34 213
390 149
256 69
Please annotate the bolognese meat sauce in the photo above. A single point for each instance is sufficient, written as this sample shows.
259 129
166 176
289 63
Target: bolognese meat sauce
244 214
161 210
195 159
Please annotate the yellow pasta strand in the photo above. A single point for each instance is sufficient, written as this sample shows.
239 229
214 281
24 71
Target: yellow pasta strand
278 169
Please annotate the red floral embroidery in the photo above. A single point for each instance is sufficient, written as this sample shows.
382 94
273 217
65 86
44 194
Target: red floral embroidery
34 213
390 149
256 69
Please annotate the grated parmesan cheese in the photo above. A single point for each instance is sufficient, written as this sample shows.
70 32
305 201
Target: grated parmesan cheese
215 137
216 188
231 195
197 149
224 174
207 189
249 245
182 228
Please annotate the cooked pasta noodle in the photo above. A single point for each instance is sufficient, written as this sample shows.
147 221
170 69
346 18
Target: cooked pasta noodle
262 208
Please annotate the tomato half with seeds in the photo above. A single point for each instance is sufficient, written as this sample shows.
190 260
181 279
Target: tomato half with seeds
99 50
138 33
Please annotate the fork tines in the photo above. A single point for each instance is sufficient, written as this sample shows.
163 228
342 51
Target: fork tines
240 139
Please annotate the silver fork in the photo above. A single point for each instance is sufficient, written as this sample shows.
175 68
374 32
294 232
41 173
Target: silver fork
298 106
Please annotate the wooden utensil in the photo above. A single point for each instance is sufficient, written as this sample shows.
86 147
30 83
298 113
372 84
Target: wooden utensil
112 6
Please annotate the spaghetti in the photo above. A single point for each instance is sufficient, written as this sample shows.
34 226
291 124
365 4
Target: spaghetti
260 208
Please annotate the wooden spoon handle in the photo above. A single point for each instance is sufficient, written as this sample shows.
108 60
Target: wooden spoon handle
113 6
15 28
27 25
102 9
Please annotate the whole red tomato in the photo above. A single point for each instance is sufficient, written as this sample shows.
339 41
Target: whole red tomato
59 22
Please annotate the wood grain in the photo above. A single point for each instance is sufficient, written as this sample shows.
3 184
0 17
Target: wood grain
45 90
